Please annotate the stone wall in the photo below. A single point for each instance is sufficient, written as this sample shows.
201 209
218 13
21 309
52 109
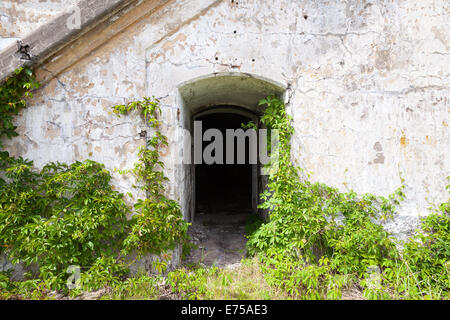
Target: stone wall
20 17
366 83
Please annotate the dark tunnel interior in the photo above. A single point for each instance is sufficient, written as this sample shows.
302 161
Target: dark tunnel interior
222 187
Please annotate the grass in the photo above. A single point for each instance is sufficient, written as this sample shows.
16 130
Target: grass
244 281
137 288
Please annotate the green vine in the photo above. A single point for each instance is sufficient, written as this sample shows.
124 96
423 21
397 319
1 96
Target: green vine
58 216
317 234
317 241
13 92
158 224
65 215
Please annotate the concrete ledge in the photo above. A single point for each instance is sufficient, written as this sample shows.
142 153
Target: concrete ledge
50 37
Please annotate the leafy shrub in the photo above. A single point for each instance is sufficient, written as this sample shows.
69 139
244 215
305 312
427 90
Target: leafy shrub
66 215
428 253
13 93
143 287
191 284
158 224
316 234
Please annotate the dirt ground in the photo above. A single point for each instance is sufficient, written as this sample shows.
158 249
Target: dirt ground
219 237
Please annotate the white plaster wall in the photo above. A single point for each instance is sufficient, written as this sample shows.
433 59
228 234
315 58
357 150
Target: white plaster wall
367 87
20 17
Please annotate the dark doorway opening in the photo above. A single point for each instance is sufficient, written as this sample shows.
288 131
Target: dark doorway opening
223 199
224 186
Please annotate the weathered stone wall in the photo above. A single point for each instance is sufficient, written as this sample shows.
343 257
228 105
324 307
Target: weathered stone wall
20 17
367 85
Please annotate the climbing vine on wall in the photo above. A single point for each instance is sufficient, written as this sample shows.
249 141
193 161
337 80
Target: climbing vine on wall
158 224
13 93
317 241
317 236
69 215
60 215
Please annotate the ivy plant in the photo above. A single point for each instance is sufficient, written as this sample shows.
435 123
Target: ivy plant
316 233
13 94
158 225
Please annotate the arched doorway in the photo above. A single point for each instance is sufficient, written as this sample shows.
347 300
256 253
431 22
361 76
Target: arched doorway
218 198
235 93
